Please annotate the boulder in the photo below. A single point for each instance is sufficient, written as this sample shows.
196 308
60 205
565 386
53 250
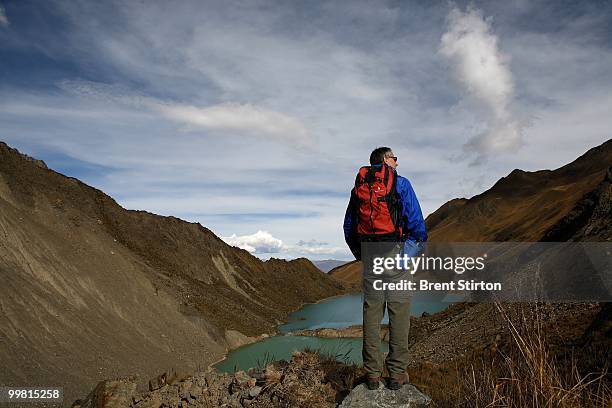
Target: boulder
406 397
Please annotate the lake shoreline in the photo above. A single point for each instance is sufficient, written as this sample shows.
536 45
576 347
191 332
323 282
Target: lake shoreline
351 332
327 323
337 320
266 335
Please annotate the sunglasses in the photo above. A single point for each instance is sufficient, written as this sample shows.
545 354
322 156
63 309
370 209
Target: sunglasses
392 157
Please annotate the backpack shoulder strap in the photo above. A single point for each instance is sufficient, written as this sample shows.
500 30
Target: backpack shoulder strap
390 179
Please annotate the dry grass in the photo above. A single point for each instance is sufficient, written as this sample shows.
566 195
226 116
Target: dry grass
310 379
526 372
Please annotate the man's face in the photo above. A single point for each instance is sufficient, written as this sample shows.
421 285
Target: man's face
391 160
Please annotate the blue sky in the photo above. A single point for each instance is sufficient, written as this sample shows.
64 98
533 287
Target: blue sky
252 117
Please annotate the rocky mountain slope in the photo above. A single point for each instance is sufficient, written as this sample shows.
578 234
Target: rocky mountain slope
522 206
92 290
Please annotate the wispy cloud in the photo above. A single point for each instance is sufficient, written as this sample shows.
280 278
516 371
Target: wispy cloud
484 74
243 118
228 117
311 243
3 19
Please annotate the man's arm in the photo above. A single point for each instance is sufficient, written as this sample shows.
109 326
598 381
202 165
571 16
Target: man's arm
415 223
350 224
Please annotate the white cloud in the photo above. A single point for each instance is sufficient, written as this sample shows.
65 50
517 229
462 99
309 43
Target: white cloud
484 73
243 118
262 242
3 19
259 242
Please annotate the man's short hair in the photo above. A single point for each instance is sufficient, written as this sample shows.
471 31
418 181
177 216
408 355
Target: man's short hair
378 155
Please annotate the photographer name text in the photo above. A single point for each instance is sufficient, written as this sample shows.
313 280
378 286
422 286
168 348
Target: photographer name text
425 285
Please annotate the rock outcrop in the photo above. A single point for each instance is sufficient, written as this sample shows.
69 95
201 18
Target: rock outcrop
406 397
590 219
308 380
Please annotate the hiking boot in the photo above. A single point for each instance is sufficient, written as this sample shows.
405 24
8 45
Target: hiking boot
372 383
397 381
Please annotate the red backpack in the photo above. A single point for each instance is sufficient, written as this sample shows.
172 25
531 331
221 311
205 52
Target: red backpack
380 209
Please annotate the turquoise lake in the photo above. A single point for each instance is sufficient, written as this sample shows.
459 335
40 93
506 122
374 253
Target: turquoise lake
344 311
337 312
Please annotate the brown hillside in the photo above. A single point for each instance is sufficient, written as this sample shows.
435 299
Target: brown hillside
91 290
444 212
349 273
522 206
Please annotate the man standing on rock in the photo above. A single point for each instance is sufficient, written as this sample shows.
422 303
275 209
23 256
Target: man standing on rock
385 216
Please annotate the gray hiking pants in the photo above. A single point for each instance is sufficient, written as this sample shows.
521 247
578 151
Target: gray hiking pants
399 325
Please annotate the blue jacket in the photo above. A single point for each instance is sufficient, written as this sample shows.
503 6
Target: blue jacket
415 224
